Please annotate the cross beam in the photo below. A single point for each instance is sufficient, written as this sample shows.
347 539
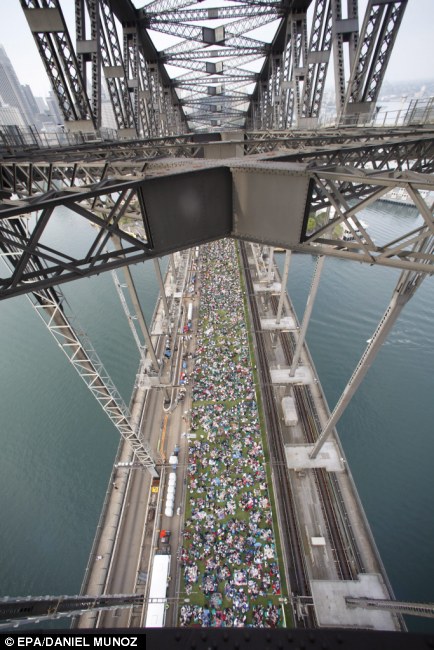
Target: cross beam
182 203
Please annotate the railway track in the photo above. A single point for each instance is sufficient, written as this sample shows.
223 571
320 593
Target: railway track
289 533
345 552
353 558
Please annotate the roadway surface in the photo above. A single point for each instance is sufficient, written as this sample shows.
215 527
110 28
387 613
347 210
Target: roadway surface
121 559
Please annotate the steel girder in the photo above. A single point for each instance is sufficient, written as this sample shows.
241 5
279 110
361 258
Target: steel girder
52 307
229 43
291 83
176 16
52 38
142 100
140 91
21 611
90 53
344 31
330 186
378 33
113 189
317 59
29 172
115 72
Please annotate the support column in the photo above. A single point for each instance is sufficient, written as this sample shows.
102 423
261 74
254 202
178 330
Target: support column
162 291
130 318
172 270
255 259
271 264
307 313
138 308
50 305
405 288
140 316
283 286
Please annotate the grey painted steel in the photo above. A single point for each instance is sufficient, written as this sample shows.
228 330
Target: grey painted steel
255 259
398 607
215 94
317 61
87 50
271 264
345 31
378 33
269 202
16 612
162 291
307 313
51 35
197 207
51 306
83 357
140 317
185 202
130 318
283 286
405 289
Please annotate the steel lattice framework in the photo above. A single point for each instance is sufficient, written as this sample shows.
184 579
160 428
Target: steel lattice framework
243 75
177 65
115 186
217 110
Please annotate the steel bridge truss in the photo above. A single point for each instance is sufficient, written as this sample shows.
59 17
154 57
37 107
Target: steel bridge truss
160 206
113 56
25 240
403 252
258 65
52 307
17 612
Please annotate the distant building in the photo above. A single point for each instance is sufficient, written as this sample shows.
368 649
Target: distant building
42 105
29 110
31 101
11 115
11 90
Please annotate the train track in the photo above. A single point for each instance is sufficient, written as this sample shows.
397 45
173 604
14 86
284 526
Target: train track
345 552
347 538
289 533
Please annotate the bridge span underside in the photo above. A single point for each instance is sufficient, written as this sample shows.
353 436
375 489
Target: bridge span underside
264 196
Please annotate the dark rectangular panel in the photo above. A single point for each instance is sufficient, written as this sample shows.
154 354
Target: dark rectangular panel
187 209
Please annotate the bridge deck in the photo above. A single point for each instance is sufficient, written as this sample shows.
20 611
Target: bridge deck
122 558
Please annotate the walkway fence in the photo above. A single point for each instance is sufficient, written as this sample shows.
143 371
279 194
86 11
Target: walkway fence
418 112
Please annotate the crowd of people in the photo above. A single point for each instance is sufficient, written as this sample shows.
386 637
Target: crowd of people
230 569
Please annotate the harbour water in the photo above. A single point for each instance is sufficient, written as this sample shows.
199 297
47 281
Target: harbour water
58 446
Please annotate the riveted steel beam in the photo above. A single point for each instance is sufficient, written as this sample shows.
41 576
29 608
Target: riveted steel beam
379 30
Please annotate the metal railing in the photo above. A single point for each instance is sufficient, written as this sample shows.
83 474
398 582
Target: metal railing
28 137
418 112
